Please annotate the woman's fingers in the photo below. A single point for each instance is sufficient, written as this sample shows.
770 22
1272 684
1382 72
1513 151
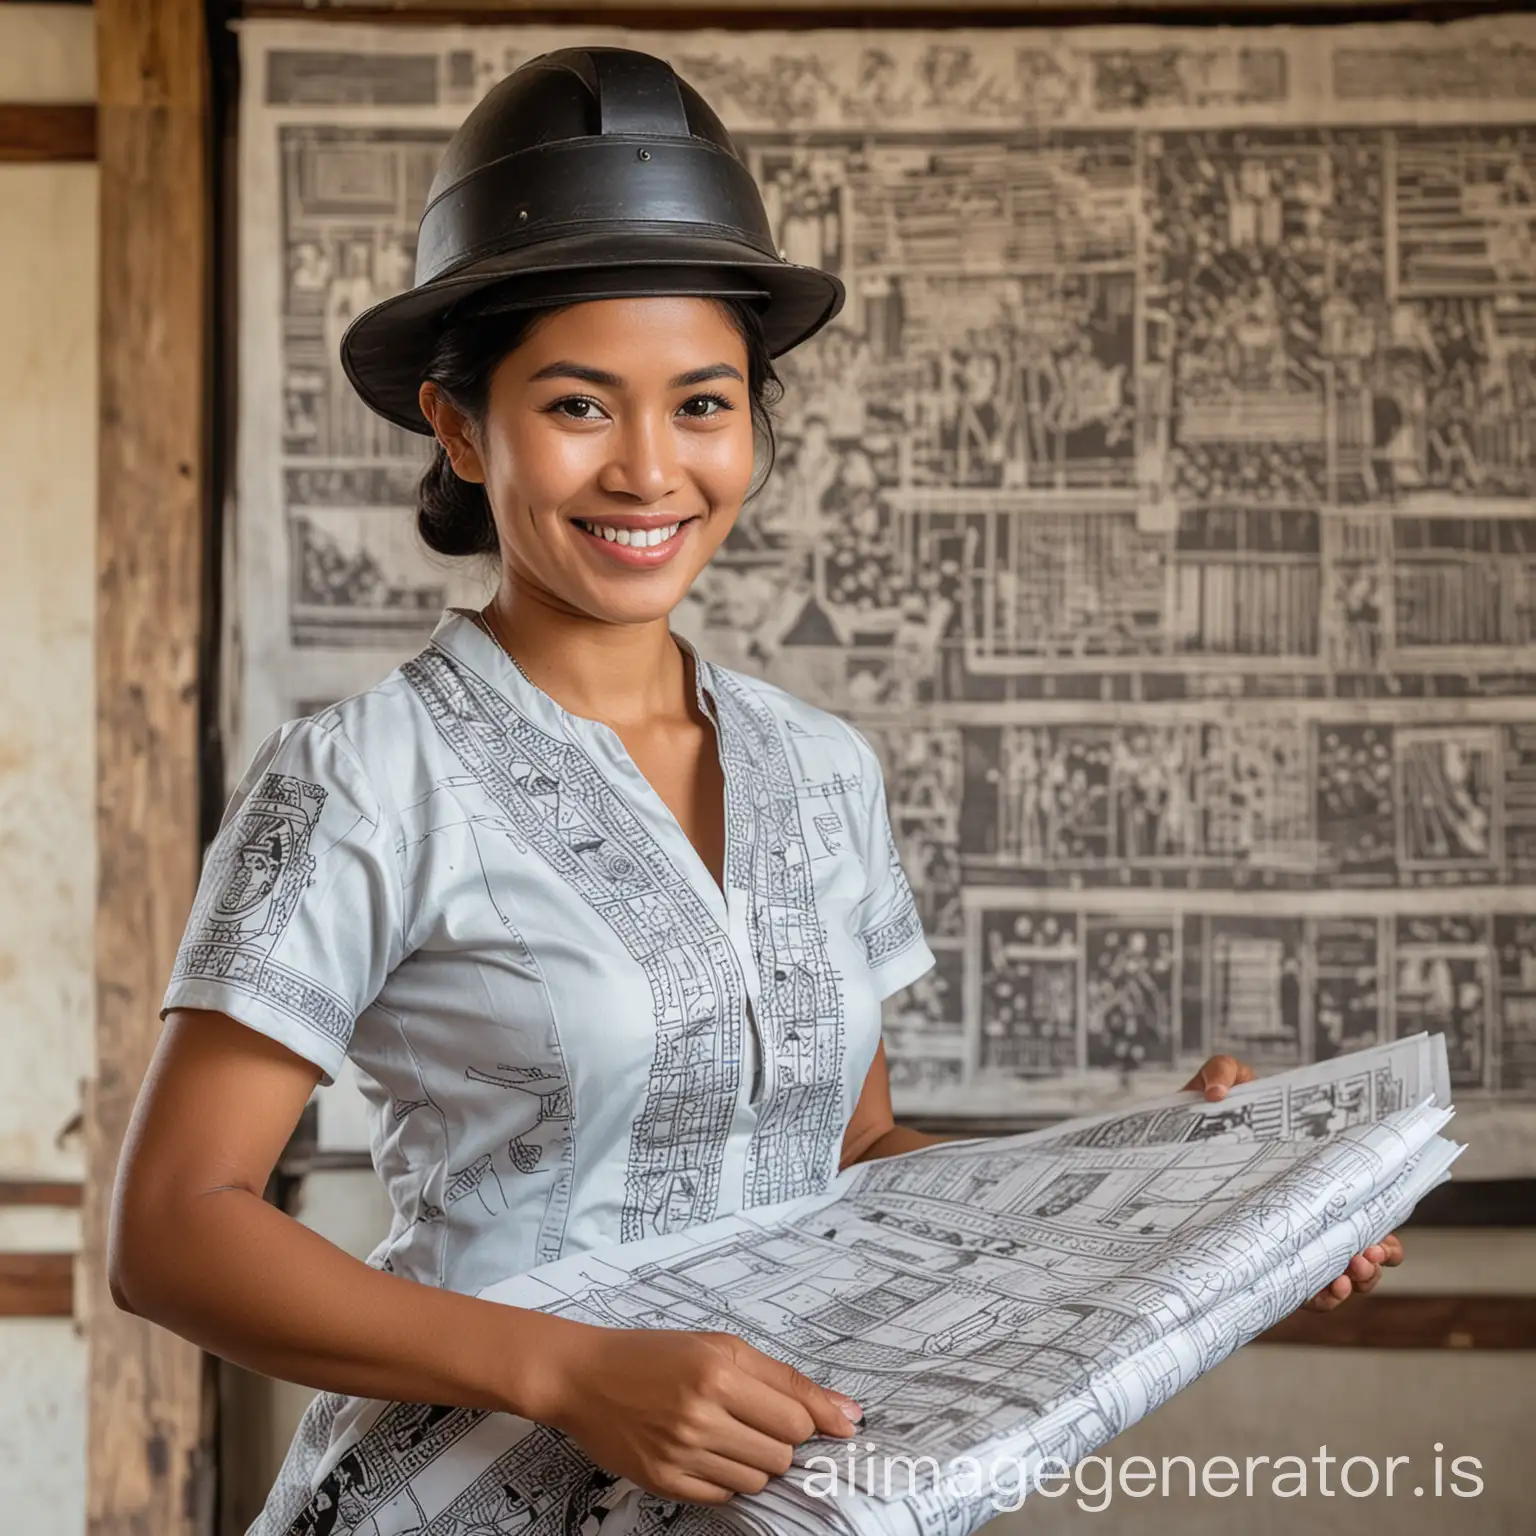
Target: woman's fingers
725 1471
1362 1276
1366 1269
1362 1268
696 1416
1331 1296
1219 1074
761 1410
732 1443
694 1490
1366 1286
778 1400
1364 1272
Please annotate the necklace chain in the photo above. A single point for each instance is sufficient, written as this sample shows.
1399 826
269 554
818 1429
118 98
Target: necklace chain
485 624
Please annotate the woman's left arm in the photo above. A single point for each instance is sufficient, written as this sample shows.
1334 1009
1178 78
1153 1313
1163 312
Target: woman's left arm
1364 1273
873 1133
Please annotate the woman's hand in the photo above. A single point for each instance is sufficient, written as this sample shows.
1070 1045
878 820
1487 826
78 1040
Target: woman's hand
693 1416
1364 1273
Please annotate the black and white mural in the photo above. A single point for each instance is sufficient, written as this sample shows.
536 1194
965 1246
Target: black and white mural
1162 506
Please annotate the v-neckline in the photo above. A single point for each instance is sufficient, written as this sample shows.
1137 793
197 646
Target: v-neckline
572 725
693 664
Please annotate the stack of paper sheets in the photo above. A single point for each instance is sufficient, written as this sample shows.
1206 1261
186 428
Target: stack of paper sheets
999 1307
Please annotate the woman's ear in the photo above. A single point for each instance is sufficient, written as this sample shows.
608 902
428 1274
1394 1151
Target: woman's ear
453 431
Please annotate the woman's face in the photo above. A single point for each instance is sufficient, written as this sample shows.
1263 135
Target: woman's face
616 449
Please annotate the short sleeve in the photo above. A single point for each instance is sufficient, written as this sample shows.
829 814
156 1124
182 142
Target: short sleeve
888 923
297 920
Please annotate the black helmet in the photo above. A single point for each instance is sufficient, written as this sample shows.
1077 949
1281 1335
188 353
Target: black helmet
586 173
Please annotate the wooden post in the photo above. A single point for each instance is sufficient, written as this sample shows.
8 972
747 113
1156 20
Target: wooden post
149 1471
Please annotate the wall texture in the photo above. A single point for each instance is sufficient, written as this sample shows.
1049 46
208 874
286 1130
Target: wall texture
47 769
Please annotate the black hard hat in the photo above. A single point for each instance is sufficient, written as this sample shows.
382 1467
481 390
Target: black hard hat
586 173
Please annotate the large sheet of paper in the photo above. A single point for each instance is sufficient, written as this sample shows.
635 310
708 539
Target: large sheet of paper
1311 1102
992 1304
1161 506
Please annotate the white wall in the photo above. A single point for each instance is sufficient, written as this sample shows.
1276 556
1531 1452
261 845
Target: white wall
48 266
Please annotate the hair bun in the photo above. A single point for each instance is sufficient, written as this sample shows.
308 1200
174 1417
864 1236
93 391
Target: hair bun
453 516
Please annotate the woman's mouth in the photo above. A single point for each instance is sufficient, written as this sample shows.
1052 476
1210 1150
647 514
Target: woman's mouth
635 541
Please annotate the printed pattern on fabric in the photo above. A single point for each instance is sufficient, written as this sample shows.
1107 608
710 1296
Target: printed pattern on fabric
538 1485
547 1141
256 872
581 827
546 1138
541 1486
405 1439
903 928
292 1491
800 1006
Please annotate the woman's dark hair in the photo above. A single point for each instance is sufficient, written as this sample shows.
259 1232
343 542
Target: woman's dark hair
453 516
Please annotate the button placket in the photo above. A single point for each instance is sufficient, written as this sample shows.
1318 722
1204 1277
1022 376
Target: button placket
749 958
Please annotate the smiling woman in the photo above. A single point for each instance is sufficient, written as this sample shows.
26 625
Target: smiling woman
648 457
642 473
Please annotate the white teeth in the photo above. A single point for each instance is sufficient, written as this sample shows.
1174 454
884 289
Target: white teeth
636 538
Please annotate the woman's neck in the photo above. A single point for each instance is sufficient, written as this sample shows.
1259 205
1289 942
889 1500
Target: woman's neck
620 674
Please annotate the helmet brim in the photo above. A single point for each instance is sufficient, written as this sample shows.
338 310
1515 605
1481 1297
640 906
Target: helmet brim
386 350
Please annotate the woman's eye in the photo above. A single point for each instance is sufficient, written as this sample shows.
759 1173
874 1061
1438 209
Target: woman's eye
705 405
578 408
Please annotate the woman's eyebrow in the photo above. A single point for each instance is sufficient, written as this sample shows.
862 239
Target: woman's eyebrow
564 370
704 375
606 380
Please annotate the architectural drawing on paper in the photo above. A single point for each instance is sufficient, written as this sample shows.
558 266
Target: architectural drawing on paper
995 1304
1162 507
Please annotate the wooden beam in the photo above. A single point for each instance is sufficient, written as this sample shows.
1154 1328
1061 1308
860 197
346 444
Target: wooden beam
1478 1203
148 1462
1415 1322
770 13
56 1192
37 1285
47 131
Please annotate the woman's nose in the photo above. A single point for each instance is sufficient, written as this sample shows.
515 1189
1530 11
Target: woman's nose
644 464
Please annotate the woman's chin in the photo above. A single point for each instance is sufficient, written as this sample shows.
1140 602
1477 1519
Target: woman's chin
636 600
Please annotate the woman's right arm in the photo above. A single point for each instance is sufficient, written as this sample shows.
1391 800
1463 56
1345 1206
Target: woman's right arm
194 1247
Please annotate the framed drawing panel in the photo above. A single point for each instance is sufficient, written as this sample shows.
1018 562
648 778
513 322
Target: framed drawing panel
1162 506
